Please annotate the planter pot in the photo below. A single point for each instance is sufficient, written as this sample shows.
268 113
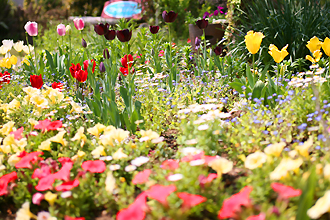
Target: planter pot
213 33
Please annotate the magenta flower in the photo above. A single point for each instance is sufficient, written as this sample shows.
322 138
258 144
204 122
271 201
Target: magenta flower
79 23
61 29
206 15
31 28
154 29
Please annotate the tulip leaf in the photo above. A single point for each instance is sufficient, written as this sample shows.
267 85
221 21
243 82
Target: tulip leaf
307 196
50 61
257 89
249 76
124 95
237 86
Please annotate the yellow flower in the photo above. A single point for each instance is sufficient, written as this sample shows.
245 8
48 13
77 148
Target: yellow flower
79 135
110 183
39 101
303 149
13 159
221 165
7 128
253 41
326 46
286 165
119 154
25 61
55 96
108 129
13 60
317 54
275 149
76 108
115 136
27 49
24 212
33 122
326 171
96 130
30 91
50 198
321 206
81 154
314 44
4 49
45 145
255 160
18 46
277 55
59 138
5 62
99 151
14 104
148 135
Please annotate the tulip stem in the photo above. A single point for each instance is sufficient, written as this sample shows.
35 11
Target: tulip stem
277 77
31 60
253 65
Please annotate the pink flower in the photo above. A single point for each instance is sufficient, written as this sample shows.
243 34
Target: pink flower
79 23
68 185
61 29
233 204
284 191
136 210
170 164
141 177
4 180
190 200
31 28
261 216
96 166
160 193
18 133
204 180
27 159
37 198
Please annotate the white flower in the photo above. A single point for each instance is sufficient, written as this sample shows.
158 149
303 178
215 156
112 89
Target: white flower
130 168
197 162
114 167
139 161
175 177
190 151
66 194
203 127
106 158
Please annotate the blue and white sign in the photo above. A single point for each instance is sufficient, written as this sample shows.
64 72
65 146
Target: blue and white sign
122 9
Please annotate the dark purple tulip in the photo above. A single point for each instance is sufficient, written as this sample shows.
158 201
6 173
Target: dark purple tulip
110 35
83 43
124 35
218 50
206 15
170 16
154 29
106 54
102 67
101 29
202 24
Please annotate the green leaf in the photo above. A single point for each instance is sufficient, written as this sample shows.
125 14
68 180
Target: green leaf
124 95
50 61
307 196
257 89
237 86
249 76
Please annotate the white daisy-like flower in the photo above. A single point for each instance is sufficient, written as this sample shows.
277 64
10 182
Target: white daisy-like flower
114 167
139 161
175 177
130 168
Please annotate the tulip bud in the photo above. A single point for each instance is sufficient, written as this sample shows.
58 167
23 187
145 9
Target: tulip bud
61 29
102 67
83 43
154 29
68 29
106 54
202 24
124 35
169 17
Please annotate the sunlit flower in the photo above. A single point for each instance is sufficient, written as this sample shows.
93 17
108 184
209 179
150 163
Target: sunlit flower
221 165
45 145
110 183
317 54
139 161
18 46
278 55
96 130
321 206
7 128
39 101
50 198
119 154
275 149
253 41
59 138
98 151
148 135
255 160
303 149
314 44
286 165
24 212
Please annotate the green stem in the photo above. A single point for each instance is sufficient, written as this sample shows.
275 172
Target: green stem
277 77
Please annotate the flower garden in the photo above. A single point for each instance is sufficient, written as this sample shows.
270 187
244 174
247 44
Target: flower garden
118 122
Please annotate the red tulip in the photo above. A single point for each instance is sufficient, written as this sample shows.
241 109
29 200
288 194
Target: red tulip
74 68
202 24
36 81
5 77
86 63
124 71
154 29
97 166
58 85
124 35
169 16
81 75
125 62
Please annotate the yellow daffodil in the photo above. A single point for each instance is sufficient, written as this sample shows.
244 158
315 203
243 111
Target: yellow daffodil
317 54
18 46
275 149
110 183
221 165
321 206
50 198
59 138
148 135
45 145
303 149
5 63
326 46
253 41
314 44
98 151
24 212
96 130
7 128
277 55
119 154
255 160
